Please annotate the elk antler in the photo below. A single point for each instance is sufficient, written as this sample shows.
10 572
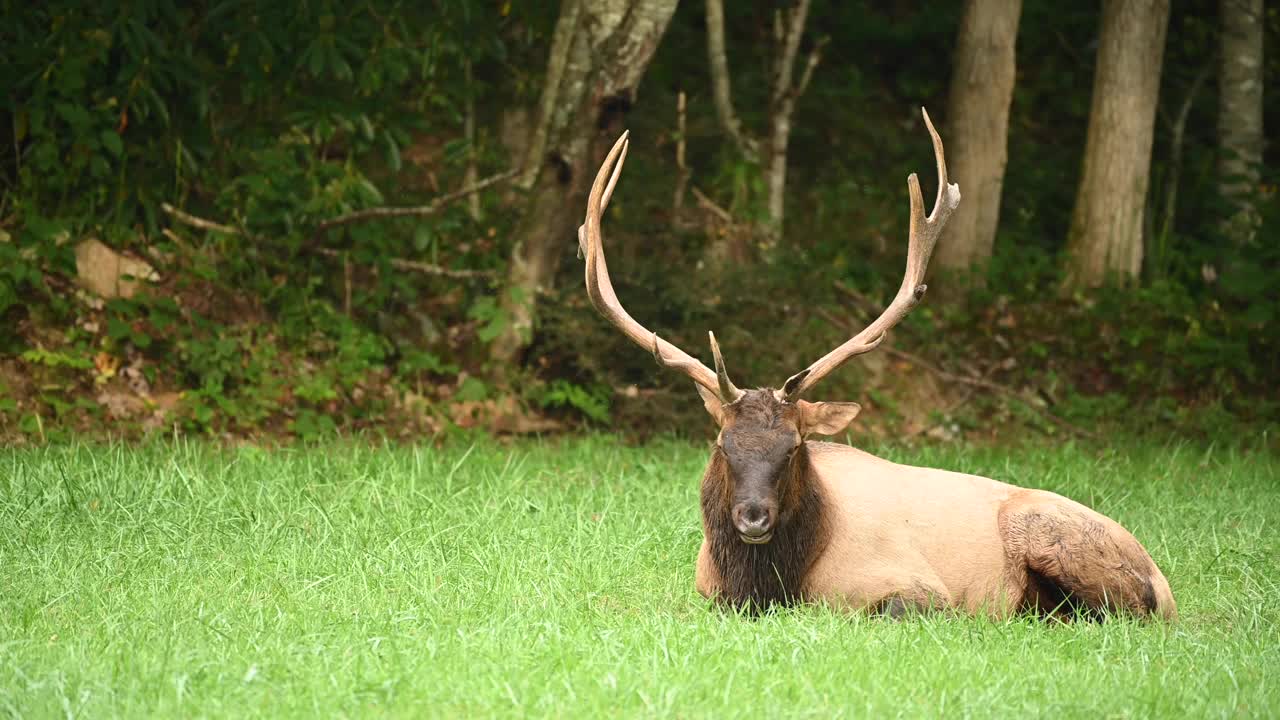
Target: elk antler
600 290
923 236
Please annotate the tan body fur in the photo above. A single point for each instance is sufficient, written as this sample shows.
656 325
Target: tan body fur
933 538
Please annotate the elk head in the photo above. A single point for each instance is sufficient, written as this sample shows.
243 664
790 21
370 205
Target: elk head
762 432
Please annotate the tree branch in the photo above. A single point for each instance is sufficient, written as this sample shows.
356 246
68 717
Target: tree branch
710 205
561 42
790 46
195 222
815 57
416 266
430 208
399 263
720 87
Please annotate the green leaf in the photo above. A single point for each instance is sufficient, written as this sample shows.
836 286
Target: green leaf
370 191
117 329
393 153
472 390
315 60
112 142
422 237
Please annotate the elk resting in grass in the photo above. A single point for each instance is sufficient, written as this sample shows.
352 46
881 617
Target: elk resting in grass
788 519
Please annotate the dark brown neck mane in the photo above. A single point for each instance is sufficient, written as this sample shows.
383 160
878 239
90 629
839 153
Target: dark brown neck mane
757 577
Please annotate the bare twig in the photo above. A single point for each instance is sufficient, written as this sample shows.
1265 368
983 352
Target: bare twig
416 266
196 222
174 238
971 381
682 175
399 263
710 205
815 57
430 208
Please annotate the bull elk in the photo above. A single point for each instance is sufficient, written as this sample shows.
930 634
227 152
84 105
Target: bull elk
788 519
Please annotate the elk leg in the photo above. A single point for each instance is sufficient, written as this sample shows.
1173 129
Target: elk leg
1066 557
706 578
895 607
920 597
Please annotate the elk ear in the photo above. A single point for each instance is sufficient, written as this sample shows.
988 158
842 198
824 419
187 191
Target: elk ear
826 418
713 405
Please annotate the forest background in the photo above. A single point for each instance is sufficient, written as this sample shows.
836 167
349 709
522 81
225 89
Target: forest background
265 220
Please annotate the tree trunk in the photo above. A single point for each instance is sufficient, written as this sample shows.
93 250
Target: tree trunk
1106 225
978 129
472 174
600 52
1159 234
788 28
721 94
785 90
1240 116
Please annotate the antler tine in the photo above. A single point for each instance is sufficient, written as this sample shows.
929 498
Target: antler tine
923 236
600 288
918 256
728 393
608 191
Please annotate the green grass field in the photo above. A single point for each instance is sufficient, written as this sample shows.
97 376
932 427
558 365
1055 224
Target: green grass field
557 579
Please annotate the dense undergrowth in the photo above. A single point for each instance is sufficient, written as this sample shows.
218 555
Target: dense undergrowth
197 357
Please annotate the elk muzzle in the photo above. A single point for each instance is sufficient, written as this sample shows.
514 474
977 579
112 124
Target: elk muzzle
755 520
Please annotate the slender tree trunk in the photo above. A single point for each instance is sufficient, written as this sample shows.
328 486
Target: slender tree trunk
786 88
1159 234
561 44
682 168
1240 116
599 54
978 125
721 92
1106 225
789 26
472 174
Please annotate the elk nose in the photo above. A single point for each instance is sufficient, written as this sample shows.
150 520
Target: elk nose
756 515
754 520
